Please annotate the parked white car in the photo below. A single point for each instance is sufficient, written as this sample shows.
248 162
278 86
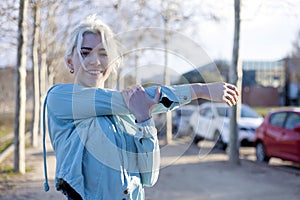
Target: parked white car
211 122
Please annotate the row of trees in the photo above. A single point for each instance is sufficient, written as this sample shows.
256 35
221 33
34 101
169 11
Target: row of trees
38 44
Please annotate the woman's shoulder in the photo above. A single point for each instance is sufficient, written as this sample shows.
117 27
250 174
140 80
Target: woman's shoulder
65 85
70 89
60 88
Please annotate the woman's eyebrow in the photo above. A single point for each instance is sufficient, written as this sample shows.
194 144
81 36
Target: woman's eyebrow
89 48
86 48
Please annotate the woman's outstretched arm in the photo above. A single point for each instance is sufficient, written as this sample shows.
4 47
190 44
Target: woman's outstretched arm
219 92
68 101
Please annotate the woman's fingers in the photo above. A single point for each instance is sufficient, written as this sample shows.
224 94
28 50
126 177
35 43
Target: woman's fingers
233 88
230 100
139 103
157 95
139 91
127 94
231 94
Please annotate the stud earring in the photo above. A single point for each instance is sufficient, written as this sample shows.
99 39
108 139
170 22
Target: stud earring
71 71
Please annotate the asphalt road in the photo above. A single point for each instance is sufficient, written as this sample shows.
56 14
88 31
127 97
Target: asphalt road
187 172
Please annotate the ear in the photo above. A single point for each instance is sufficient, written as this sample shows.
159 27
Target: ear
69 62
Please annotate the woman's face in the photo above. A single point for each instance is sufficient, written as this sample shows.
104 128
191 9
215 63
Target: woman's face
95 70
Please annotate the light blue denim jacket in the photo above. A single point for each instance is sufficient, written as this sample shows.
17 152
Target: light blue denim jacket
100 151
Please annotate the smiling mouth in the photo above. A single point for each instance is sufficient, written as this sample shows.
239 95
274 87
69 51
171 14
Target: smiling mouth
95 72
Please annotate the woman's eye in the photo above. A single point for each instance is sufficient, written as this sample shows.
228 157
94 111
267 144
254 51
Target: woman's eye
102 53
84 53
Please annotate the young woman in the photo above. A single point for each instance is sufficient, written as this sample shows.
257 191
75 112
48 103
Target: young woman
104 140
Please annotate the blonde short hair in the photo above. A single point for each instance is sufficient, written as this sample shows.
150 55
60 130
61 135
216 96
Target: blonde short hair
92 24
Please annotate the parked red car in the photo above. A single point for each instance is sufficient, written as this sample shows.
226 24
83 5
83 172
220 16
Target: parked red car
279 136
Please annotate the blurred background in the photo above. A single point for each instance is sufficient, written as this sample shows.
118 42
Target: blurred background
269 57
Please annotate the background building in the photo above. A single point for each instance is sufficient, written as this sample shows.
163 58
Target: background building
292 81
265 83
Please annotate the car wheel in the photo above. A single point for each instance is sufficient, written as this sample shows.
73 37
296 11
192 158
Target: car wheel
261 153
219 144
197 139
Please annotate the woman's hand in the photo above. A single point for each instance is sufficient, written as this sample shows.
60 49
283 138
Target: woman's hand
219 92
139 103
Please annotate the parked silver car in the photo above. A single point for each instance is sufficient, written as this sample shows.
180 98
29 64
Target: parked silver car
181 120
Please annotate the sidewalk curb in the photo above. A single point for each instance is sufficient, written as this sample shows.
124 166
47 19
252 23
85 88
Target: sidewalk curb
9 150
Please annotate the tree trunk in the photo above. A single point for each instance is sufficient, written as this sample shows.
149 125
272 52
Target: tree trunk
20 115
236 76
167 82
43 70
138 80
35 76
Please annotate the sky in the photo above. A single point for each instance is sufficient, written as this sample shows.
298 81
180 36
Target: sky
268 28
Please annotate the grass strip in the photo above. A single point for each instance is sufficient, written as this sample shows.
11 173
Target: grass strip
6 144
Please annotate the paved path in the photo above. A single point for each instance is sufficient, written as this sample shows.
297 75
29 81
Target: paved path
186 173
200 176
30 185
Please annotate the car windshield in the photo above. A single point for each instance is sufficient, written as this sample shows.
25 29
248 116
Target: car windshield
246 112
185 112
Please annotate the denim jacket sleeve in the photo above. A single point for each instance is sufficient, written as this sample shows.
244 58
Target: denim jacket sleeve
148 156
70 101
